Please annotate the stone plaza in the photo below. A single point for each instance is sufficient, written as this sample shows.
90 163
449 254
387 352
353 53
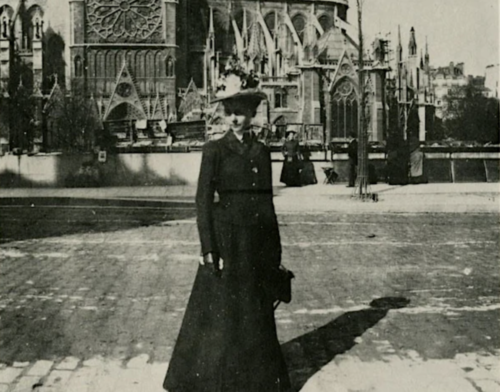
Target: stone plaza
399 295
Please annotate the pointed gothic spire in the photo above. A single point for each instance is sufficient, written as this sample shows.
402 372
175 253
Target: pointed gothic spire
412 46
211 29
149 108
427 57
244 28
399 49
191 99
421 59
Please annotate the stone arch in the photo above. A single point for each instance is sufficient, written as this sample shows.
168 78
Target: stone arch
36 16
239 16
270 20
299 22
125 111
280 97
279 120
31 26
326 22
278 127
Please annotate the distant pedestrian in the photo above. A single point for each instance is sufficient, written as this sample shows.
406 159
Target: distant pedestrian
352 154
416 169
308 173
227 341
290 173
397 162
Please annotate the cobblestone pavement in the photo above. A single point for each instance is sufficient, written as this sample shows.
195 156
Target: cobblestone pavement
382 302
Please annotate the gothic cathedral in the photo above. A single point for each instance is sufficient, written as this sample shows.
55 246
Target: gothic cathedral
141 62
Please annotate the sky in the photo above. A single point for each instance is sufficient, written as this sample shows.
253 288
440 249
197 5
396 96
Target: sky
457 30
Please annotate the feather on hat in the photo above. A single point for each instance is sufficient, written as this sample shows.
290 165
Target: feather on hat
236 83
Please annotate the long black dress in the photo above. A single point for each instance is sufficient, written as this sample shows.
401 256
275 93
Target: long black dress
228 341
290 173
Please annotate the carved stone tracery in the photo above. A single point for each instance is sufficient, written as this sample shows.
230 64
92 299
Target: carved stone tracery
124 20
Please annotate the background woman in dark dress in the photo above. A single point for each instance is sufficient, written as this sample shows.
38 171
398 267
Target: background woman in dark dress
290 174
228 340
307 173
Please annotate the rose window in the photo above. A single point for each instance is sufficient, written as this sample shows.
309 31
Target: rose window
345 69
116 20
345 88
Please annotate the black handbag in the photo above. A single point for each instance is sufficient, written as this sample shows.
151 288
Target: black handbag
280 284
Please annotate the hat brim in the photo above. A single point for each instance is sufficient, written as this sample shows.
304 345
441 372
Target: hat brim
241 95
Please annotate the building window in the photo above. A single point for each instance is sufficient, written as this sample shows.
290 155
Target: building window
280 99
6 13
270 20
299 23
5 27
78 67
344 110
170 67
326 22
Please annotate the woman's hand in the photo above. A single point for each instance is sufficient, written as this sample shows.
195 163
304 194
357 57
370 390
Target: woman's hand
214 259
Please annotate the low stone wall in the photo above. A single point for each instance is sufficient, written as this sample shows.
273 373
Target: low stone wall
65 170
79 170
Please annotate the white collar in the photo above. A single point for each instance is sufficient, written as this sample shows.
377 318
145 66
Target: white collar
240 136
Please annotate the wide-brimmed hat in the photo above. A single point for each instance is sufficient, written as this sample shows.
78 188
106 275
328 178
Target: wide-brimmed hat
235 83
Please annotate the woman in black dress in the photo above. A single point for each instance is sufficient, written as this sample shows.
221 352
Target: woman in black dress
290 174
228 341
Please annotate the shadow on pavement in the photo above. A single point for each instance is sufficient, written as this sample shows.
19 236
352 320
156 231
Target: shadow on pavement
28 218
307 354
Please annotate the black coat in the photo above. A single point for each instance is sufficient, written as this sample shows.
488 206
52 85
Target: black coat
228 340
352 151
241 176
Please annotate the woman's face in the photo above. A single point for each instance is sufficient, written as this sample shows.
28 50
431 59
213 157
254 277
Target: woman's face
238 116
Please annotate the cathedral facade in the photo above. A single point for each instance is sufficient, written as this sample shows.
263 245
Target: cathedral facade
145 63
